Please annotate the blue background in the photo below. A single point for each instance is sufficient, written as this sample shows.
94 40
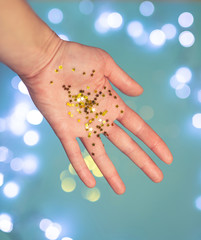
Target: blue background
147 211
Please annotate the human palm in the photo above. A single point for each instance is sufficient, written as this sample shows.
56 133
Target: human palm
74 94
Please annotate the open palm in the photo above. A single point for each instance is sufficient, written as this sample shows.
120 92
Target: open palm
74 94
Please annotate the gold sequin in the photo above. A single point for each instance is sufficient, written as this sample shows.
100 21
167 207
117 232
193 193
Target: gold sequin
60 67
73 69
56 70
51 82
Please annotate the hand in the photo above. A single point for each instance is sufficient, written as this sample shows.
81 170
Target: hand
74 94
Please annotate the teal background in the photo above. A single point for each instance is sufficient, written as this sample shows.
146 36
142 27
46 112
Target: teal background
147 211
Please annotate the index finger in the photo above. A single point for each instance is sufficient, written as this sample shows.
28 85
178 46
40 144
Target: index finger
134 123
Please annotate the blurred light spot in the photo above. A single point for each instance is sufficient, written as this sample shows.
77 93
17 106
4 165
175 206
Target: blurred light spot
96 172
44 224
22 88
146 8
64 174
68 184
15 81
16 126
185 19
182 91
11 189
66 238
199 96
198 203
30 164
71 169
157 37
142 39
101 24
4 153
174 82
135 29
86 7
31 138
63 37
89 162
34 117
2 125
114 20
55 15
1 179
16 164
92 195
186 39
6 224
196 120
183 75
16 122
169 30
53 231
146 112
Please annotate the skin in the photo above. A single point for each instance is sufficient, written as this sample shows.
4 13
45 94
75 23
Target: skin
46 89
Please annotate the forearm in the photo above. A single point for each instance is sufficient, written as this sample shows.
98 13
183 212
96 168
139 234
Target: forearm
26 42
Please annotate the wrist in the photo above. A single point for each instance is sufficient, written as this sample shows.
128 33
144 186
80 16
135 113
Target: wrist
39 55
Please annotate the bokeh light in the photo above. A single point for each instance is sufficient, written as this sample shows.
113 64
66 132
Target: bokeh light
55 15
92 195
16 122
30 164
1 179
96 172
22 88
135 29
174 83
34 117
11 189
196 120
115 20
31 138
186 39
6 224
16 164
4 153
169 30
199 96
146 8
101 24
146 112
44 224
68 184
89 162
63 37
182 91
15 81
2 125
53 231
198 203
71 169
185 19
157 37
86 7
183 74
